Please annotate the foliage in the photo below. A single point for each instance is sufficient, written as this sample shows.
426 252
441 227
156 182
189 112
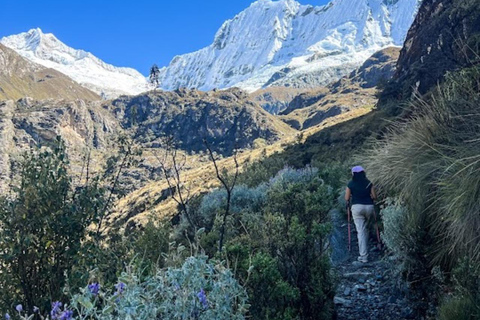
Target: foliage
286 270
431 163
42 227
197 290
465 303
398 235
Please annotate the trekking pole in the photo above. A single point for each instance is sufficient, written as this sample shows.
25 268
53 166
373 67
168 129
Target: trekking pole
349 229
379 241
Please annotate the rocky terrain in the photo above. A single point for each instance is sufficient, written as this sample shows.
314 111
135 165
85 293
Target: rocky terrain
227 119
275 99
84 126
444 37
357 90
372 290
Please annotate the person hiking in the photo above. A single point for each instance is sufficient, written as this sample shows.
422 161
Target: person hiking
360 194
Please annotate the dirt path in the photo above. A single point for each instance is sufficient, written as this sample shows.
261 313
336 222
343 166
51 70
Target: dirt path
366 290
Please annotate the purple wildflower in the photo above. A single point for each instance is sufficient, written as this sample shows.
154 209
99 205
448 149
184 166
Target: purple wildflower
56 310
35 309
94 288
66 315
120 288
7 316
19 308
203 298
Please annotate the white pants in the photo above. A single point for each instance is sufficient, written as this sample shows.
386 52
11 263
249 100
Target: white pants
362 214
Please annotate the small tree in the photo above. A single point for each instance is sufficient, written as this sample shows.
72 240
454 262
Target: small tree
155 76
228 183
42 228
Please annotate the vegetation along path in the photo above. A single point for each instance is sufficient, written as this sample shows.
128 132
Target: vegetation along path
366 290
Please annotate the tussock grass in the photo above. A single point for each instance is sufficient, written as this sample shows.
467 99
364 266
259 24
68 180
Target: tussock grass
432 162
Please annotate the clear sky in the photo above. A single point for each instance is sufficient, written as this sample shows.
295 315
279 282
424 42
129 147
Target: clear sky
135 33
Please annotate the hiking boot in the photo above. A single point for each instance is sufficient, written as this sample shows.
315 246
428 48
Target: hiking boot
362 259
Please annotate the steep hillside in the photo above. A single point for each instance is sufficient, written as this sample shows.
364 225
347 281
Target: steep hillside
83 67
275 99
227 119
357 90
29 123
20 78
445 36
283 43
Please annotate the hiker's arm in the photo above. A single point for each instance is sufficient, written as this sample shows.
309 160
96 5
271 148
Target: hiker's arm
348 194
373 194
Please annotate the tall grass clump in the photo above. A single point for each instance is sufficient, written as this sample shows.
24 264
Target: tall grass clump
430 162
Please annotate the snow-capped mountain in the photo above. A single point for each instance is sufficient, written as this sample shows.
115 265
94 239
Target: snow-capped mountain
285 43
81 66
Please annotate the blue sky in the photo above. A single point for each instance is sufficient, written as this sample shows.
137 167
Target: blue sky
133 33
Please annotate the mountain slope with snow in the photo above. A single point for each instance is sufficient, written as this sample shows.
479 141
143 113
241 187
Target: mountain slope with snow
284 43
83 67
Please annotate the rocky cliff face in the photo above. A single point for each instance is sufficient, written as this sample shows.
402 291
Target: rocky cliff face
20 78
227 119
356 90
445 36
30 123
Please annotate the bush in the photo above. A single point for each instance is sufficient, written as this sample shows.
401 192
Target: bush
396 234
465 302
196 290
42 228
286 271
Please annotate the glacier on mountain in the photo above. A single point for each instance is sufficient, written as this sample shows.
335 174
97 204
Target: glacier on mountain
81 66
284 43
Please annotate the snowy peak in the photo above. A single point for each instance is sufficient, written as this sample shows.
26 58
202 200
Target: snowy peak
280 42
81 66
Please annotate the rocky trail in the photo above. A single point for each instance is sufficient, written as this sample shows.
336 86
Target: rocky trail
366 290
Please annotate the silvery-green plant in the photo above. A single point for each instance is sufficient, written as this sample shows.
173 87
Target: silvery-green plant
199 289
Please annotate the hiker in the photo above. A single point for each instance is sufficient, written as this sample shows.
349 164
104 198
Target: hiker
360 194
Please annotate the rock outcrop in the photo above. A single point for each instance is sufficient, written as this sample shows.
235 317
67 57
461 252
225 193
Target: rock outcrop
356 90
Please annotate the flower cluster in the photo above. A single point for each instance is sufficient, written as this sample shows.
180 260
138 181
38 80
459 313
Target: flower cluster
203 298
94 288
58 314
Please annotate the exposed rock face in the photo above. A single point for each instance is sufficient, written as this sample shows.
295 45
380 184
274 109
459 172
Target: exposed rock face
356 90
275 99
20 77
445 36
29 123
227 119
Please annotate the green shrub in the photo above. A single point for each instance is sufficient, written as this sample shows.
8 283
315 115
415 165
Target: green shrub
465 302
459 308
197 290
42 228
276 243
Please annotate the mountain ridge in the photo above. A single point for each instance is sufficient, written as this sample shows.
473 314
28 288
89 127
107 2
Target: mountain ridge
85 68
20 77
285 43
